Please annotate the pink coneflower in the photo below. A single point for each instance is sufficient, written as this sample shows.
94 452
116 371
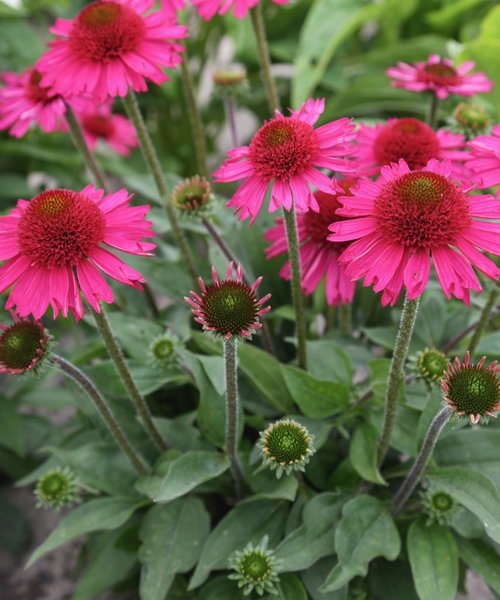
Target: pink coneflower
100 124
286 152
207 9
23 346
408 217
24 101
485 157
57 244
318 256
229 307
110 46
171 7
441 77
409 139
472 390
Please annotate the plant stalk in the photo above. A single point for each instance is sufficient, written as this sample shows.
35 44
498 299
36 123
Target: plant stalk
297 296
116 354
153 163
406 325
415 473
433 110
230 111
102 408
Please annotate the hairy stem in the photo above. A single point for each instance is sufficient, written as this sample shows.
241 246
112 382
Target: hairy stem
153 164
116 354
297 297
395 377
230 111
422 459
433 110
102 408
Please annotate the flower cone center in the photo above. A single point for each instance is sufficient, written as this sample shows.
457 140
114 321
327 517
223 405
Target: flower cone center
21 344
98 125
255 567
440 74
285 445
409 139
104 31
60 228
283 147
421 210
473 390
316 223
472 116
229 307
442 502
33 89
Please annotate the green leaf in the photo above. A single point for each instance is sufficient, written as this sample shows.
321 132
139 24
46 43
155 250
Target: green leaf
482 559
219 588
172 538
12 435
316 398
433 558
15 528
328 360
135 334
489 345
366 531
314 539
448 15
289 588
96 515
183 475
248 522
363 453
476 492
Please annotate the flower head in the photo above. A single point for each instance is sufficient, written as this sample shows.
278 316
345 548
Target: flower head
485 157
405 219
440 76
192 196
472 390
229 307
256 568
287 446
318 256
438 505
57 244
100 124
109 46
431 364
286 153
24 101
57 489
207 9
409 139
23 346
163 350
470 119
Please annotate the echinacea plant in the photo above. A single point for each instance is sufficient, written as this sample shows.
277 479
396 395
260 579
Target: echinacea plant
342 445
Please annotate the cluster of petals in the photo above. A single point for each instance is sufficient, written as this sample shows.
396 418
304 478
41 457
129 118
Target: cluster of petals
56 245
319 258
439 75
286 154
207 9
484 159
407 218
410 139
99 123
109 46
24 101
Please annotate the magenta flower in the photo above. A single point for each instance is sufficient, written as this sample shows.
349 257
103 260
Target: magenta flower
24 101
286 153
110 46
485 157
229 307
171 7
411 140
406 218
100 124
207 9
441 77
318 256
57 244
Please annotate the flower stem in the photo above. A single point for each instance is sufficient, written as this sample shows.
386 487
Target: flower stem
230 111
433 110
265 61
83 149
297 297
483 319
116 354
345 317
232 410
413 477
194 118
102 408
153 163
395 377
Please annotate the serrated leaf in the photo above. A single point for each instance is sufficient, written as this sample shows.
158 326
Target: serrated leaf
363 453
433 558
172 538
